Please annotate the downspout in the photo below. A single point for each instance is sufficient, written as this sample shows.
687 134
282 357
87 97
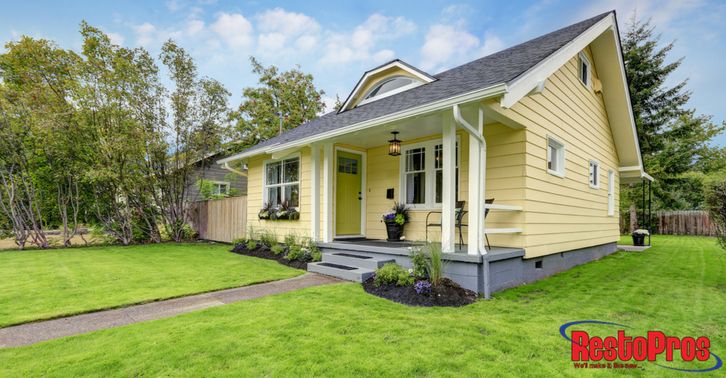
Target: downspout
478 134
227 167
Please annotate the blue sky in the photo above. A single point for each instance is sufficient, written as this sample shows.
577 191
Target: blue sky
338 41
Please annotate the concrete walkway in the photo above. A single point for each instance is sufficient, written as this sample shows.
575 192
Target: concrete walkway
31 333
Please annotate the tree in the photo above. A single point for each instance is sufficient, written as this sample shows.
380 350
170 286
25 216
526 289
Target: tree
288 97
674 140
199 108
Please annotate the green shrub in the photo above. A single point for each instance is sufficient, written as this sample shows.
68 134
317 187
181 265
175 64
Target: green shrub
277 249
297 253
290 240
239 241
251 244
392 274
252 234
268 238
420 262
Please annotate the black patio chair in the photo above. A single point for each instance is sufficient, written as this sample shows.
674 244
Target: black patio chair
459 222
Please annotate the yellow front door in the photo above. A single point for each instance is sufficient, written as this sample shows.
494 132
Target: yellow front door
348 194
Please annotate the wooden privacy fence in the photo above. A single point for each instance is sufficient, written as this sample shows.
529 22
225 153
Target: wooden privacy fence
684 222
220 220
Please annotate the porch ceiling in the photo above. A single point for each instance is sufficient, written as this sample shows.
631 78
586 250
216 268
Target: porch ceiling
408 129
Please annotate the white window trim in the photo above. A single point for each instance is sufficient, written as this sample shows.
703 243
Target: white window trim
611 193
226 183
586 61
430 145
596 175
558 173
298 182
389 93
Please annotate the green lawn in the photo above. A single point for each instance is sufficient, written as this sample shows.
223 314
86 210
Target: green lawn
42 284
678 286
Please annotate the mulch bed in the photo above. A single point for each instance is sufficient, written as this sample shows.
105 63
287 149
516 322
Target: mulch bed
447 294
265 253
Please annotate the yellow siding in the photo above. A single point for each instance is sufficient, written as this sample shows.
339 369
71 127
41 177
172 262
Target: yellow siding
560 214
566 213
504 183
280 228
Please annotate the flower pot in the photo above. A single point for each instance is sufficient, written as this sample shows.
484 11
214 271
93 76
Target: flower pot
394 230
638 240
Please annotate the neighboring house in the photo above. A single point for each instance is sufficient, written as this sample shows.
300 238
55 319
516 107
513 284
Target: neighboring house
545 128
223 181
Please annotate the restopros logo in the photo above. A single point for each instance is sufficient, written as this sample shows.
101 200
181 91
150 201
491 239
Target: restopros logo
590 351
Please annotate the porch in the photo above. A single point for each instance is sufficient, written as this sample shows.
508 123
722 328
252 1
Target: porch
440 160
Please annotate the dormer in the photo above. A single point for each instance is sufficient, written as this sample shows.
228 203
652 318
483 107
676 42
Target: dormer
383 81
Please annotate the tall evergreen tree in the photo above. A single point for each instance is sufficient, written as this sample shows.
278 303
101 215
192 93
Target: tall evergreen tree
674 140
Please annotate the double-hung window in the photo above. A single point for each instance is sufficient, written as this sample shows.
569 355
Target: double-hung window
422 174
282 182
555 157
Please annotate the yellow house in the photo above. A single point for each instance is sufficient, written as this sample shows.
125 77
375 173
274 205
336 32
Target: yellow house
512 162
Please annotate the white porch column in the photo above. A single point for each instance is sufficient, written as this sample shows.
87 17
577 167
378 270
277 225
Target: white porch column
315 193
448 205
328 195
477 175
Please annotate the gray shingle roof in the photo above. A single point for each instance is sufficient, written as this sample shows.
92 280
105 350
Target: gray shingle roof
498 68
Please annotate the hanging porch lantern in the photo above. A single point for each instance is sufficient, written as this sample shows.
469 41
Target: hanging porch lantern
394 145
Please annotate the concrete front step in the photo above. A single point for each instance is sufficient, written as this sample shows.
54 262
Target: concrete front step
350 258
345 272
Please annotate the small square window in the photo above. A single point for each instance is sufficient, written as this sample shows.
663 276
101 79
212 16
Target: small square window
538 264
584 70
555 157
594 174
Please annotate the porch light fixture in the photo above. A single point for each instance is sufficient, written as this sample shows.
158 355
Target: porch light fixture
394 145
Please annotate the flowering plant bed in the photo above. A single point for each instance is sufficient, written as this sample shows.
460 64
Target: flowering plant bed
448 293
262 251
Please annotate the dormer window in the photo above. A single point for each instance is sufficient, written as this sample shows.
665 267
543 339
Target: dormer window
388 87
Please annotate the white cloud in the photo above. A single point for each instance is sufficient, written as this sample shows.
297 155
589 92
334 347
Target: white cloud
279 27
491 44
116 38
172 5
145 34
234 29
445 43
362 43
194 27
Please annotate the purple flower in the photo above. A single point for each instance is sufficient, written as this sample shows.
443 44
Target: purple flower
422 287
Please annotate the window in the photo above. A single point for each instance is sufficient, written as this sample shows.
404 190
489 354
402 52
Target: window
282 182
388 87
555 157
220 188
594 174
584 70
422 174
416 176
611 193
347 165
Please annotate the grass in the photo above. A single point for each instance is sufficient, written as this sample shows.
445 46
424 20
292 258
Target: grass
678 286
39 284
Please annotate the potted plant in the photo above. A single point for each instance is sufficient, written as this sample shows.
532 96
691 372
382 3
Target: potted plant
266 211
639 237
285 211
395 220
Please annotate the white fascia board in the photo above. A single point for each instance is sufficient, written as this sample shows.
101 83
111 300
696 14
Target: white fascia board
395 63
523 85
481 94
244 155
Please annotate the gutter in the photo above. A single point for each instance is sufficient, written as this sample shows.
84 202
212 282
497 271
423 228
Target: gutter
226 166
479 94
